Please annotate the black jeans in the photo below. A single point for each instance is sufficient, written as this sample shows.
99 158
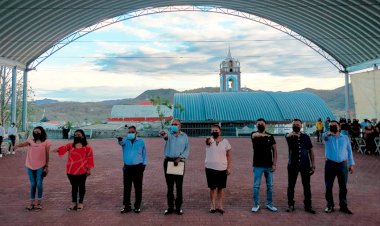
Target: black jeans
133 174
339 170
1 142
292 179
78 183
170 181
13 140
319 133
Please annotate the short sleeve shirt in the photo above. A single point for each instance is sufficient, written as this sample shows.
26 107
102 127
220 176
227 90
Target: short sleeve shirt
36 154
216 155
262 150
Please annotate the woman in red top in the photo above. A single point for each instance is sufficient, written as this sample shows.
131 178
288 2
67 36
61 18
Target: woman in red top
79 163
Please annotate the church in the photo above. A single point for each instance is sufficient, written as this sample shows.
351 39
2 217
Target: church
237 110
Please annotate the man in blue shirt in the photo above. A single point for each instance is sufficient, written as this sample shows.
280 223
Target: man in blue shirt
176 150
135 160
339 161
301 160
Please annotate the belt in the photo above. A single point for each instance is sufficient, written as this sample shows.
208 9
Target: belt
335 161
170 159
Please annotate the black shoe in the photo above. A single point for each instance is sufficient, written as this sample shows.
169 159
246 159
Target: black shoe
329 209
310 210
168 211
220 211
345 210
212 210
290 209
179 211
126 210
137 210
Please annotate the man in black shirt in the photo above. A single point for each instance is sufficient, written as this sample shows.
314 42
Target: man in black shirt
264 162
301 160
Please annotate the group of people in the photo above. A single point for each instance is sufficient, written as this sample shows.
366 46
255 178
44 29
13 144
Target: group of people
218 165
12 132
80 160
368 130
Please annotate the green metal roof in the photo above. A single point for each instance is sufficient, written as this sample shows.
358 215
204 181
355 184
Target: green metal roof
249 106
347 30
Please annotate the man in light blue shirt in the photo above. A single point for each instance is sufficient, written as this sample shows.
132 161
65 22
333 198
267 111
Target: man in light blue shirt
176 150
339 161
135 160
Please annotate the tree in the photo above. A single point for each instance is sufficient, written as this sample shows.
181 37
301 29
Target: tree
6 95
159 102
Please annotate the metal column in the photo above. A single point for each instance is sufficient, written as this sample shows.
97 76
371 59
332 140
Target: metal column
346 94
13 98
25 101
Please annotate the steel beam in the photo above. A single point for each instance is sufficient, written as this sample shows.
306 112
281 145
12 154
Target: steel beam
13 97
24 101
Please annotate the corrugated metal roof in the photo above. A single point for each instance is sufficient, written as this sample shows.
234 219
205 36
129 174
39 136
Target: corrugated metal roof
348 30
137 111
249 106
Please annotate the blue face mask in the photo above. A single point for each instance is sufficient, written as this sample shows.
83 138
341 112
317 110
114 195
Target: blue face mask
131 136
173 129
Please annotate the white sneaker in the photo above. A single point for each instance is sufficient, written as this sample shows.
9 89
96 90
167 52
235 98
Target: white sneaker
1 155
255 208
271 208
13 152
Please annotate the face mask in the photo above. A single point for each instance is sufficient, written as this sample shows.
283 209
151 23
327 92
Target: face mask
215 135
296 129
173 129
261 128
37 136
77 140
12 126
333 129
131 136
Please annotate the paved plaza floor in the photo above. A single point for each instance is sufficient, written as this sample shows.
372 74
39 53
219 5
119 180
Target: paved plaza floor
104 191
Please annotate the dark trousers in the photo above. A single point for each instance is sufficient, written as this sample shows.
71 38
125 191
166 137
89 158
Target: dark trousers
170 181
292 179
339 170
13 140
78 184
1 142
319 133
133 174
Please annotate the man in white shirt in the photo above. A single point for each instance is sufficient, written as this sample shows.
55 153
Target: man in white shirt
12 132
2 134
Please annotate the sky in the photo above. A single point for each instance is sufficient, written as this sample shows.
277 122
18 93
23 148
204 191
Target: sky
179 50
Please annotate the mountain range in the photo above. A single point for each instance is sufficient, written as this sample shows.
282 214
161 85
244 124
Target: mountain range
98 112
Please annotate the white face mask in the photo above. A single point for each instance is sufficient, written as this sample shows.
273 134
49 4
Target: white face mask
12 126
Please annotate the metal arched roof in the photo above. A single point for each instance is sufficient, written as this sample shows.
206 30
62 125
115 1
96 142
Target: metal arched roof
347 30
249 106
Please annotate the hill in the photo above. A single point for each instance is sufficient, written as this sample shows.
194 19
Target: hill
100 111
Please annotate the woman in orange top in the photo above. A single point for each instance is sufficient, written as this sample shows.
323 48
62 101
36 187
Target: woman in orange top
78 167
37 159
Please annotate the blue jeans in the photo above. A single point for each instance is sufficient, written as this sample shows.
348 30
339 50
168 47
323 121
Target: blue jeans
35 178
268 174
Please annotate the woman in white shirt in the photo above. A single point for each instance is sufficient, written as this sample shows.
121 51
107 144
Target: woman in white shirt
218 166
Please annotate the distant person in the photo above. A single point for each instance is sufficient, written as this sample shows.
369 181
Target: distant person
135 160
264 162
2 135
218 165
65 132
369 137
301 160
344 128
176 150
78 167
37 163
339 161
326 124
12 132
319 128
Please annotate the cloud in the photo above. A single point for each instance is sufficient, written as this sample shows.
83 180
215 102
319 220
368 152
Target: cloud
267 50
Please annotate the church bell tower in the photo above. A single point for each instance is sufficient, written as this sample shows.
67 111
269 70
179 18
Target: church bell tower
230 74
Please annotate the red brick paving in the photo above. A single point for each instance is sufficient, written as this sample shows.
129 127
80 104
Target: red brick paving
104 191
